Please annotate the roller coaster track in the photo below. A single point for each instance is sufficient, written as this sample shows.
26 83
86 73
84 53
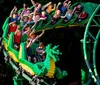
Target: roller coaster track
19 57
94 39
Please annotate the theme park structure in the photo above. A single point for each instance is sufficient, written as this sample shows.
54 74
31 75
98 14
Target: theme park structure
37 73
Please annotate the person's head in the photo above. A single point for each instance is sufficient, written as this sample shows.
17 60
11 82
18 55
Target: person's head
28 10
83 12
43 13
30 16
65 4
37 17
25 19
69 11
32 36
18 32
41 45
14 15
14 24
18 26
58 12
79 6
27 28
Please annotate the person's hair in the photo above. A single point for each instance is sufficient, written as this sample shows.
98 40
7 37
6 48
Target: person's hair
41 44
25 17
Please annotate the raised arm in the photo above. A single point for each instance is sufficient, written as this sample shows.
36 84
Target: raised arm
73 10
16 30
33 31
29 43
54 8
12 11
36 38
21 15
80 17
46 5
64 15
41 34
65 1
24 26
33 3
58 5
18 26
33 27
69 4
24 6
43 18
12 22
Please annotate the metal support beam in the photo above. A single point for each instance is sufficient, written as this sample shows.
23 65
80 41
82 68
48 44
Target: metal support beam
96 23
18 80
91 35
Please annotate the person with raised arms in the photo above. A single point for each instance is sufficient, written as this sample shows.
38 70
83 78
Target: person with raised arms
33 38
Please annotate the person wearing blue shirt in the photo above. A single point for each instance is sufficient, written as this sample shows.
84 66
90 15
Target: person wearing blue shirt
64 7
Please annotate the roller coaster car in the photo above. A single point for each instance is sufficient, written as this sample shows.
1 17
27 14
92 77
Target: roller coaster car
89 9
46 68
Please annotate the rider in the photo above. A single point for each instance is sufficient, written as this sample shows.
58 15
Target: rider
69 14
56 16
13 15
40 51
17 39
64 7
83 15
27 10
32 38
12 27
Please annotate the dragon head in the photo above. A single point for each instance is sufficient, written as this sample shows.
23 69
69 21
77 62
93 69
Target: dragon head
53 52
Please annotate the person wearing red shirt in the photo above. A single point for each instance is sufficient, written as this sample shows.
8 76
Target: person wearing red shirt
83 15
17 39
12 27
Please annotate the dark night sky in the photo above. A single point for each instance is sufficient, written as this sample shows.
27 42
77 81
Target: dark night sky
68 39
